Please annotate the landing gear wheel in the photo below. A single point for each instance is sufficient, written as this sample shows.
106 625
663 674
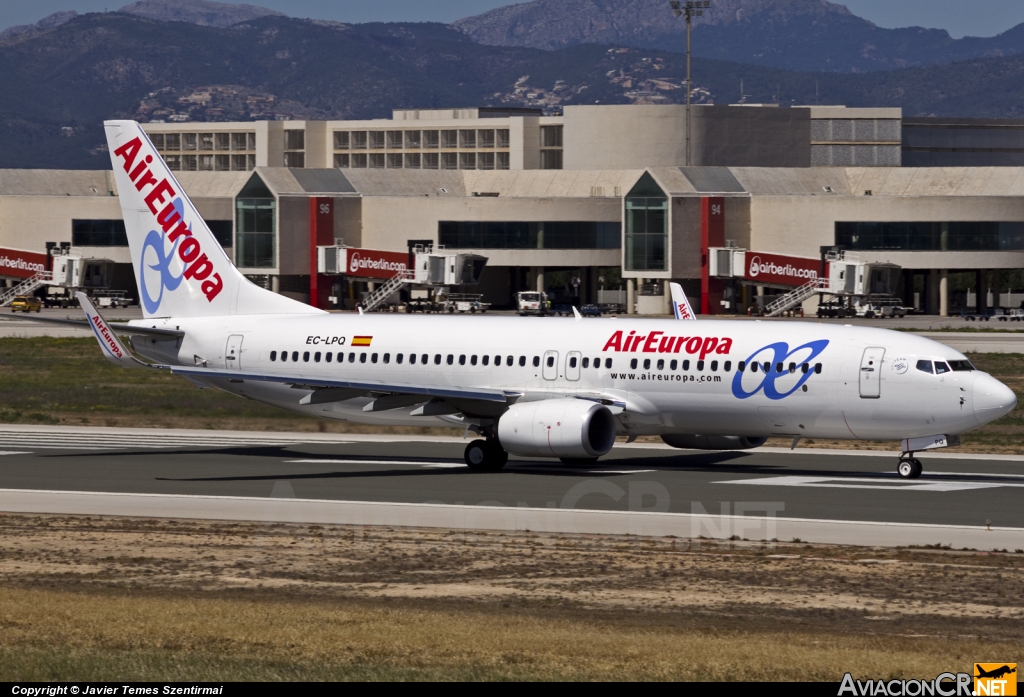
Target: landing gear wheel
485 456
909 468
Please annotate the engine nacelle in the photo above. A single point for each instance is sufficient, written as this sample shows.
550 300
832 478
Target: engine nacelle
557 428
713 442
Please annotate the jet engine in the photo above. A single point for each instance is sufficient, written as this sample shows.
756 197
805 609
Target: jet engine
713 442
564 428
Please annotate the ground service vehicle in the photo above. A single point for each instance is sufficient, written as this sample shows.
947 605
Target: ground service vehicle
532 303
563 388
26 303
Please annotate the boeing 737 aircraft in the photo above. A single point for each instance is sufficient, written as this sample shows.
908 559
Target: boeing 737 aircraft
561 388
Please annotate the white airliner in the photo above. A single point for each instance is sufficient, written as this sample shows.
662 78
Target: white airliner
561 388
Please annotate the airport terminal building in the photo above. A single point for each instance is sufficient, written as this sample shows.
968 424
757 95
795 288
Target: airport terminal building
603 193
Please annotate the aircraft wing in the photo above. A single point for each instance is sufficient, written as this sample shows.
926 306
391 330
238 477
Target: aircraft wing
306 381
116 326
113 350
680 305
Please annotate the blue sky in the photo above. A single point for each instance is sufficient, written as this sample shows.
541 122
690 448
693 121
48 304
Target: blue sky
958 17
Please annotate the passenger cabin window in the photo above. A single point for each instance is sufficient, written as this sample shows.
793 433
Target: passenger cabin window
451 359
728 366
551 361
522 361
412 359
714 366
295 356
700 366
486 360
607 362
316 357
328 356
462 360
586 362
925 366
941 368
437 359
572 361
373 358
352 358
804 368
362 358
398 358
536 361
387 357
305 356
273 355
686 365
741 366
632 363
647 364
817 368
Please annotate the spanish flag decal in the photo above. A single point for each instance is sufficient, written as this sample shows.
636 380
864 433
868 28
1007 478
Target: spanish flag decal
361 340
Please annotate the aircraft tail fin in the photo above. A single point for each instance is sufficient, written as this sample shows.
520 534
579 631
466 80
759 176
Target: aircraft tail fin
680 305
180 268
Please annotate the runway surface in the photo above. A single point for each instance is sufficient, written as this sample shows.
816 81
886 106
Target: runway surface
828 496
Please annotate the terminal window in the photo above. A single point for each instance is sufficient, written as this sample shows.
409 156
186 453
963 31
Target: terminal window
960 236
254 222
530 235
646 226
98 233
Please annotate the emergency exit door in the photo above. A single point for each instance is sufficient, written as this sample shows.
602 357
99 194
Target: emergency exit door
871 372
550 365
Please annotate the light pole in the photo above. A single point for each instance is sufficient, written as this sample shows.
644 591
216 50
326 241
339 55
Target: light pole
691 9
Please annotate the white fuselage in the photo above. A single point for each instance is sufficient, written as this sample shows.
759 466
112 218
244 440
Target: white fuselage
672 376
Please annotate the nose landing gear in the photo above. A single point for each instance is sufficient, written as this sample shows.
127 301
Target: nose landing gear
485 455
909 467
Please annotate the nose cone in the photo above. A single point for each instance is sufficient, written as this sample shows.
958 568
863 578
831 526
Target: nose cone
992 399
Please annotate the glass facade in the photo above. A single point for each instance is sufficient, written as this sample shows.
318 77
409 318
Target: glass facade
646 227
529 235
255 233
98 233
931 237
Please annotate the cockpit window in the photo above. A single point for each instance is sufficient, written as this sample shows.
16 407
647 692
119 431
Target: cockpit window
961 365
925 366
941 368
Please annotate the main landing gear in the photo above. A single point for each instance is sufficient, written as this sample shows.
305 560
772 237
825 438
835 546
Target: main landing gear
485 456
910 467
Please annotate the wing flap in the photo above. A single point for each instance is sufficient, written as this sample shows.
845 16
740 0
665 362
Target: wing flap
312 382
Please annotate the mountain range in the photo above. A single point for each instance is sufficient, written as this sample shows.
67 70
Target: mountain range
805 35
189 61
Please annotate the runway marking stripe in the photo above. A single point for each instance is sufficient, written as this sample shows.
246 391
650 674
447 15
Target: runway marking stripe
871 483
14 452
411 463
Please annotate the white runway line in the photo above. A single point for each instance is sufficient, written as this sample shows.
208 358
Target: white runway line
930 484
14 452
550 520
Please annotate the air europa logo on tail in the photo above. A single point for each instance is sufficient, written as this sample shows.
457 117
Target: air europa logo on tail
166 204
658 342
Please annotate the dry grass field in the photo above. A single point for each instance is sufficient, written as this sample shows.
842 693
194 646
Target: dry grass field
102 599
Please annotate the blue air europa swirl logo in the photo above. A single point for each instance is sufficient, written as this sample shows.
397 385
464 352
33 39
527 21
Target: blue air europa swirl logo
159 260
767 378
